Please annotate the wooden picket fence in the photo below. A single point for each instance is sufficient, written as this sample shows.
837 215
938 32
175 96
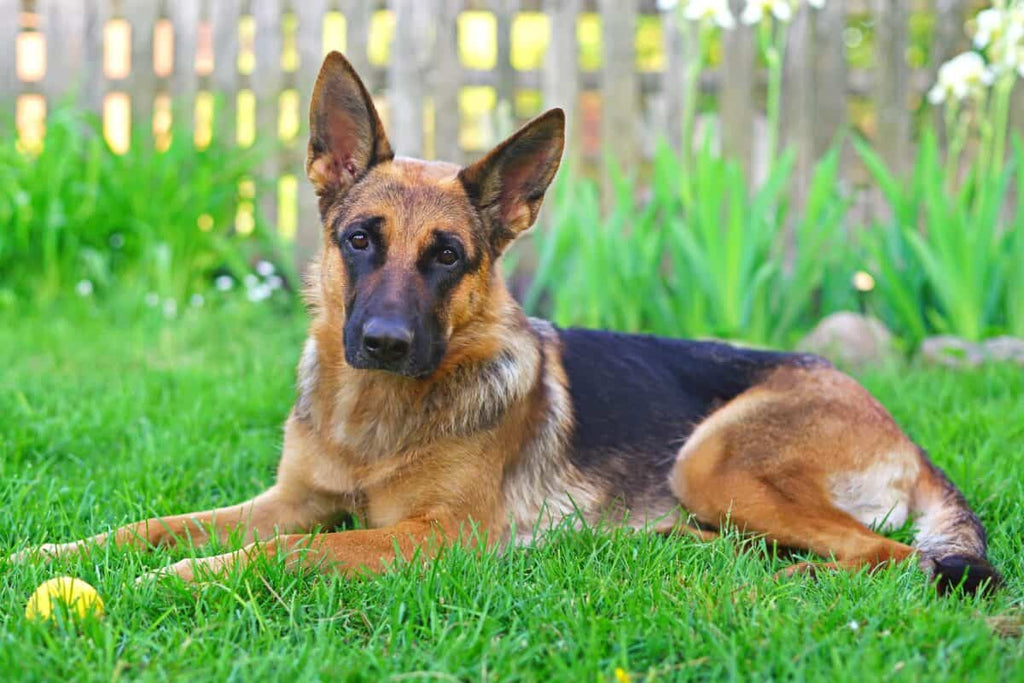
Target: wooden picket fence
144 56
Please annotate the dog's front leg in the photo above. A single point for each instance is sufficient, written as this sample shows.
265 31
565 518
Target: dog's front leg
275 511
293 505
345 552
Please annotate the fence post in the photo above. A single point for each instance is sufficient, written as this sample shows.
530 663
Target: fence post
357 39
828 60
736 91
10 86
93 78
184 15
410 55
505 89
310 14
947 38
620 90
225 66
892 134
141 85
561 78
798 102
446 83
64 25
267 85
680 45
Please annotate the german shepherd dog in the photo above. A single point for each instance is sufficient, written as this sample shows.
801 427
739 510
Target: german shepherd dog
429 403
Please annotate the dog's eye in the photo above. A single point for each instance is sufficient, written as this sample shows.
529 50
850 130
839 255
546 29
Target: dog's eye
447 257
359 240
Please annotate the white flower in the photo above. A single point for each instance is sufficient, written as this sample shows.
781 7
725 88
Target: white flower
250 281
987 26
755 11
265 268
716 11
196 301
84 288
1013 44
1000 33
152 299
224 283
275 282
258 293
667 5
170 308
853 626
965 74
816 4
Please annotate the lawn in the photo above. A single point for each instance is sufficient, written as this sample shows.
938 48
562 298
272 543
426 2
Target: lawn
115 416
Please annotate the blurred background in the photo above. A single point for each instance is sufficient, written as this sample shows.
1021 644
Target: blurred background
736 168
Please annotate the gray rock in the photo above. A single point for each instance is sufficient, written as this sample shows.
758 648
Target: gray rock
1004 349
852 339
952 352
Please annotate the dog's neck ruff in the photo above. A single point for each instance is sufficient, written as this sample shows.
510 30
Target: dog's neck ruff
373 415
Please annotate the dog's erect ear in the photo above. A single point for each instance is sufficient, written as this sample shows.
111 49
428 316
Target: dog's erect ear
345 134
507 186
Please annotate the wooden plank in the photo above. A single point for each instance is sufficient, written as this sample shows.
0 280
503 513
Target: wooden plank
184 15
10 86
505 90
828 60
309 38
680 38
446 83
798 102
736 101
224 20
892 130
357 40
410 57
620 90
561 75
142 14
64 24
267 83
947 41
97 13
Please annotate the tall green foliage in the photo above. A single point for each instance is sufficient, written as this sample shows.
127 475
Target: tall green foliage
949 257
702 256
159 220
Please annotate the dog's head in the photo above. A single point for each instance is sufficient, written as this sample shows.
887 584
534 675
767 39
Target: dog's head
410 246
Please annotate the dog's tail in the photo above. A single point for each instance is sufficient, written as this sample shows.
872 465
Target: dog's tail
950 537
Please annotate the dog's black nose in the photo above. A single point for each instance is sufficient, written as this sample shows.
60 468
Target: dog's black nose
386 340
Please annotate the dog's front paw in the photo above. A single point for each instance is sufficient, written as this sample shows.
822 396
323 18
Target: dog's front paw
184 570
45 552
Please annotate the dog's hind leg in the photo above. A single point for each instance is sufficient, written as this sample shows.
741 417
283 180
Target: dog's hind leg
793 515
807 460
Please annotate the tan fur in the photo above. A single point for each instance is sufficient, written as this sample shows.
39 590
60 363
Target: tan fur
770 462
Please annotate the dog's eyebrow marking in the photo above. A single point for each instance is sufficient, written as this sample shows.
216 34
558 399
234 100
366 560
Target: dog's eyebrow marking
367 223
445 238
370 224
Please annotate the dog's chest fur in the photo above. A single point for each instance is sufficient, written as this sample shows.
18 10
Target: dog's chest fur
394 444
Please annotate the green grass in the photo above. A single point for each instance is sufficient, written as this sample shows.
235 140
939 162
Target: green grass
111 417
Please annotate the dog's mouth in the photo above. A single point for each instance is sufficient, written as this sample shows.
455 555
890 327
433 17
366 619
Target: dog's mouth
411 367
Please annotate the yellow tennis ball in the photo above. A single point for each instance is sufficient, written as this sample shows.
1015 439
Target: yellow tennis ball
79 597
